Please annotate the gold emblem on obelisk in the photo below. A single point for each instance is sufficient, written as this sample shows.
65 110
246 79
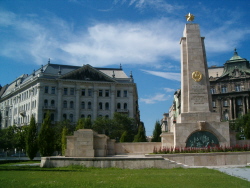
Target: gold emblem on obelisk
197 76
190 17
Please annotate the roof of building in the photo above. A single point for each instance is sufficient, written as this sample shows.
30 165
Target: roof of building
68 72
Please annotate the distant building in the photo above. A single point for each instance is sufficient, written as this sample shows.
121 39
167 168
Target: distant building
68 92
230 89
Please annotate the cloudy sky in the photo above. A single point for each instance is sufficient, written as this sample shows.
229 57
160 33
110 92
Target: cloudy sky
142 35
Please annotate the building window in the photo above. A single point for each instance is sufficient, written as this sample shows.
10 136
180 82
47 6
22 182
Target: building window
65 104
71 104
83 92
64 116
100 106
72 91
213 104
118 105
237 88
71 118
46 89
53 103
53 90
89 116
89 105
106 106
52 117
212 90
118 93
89 92
83 105
65 91
100 93
223 89
106 93
239 102
45 102
225 103
125 93
82 116
125 106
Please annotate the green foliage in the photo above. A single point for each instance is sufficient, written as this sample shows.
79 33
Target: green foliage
157 132
58 128
124 136
141 135
84 123
114 128
31 139
46 137
242 126
64 140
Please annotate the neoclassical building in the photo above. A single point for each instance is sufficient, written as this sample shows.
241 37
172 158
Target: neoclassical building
68 92
230 89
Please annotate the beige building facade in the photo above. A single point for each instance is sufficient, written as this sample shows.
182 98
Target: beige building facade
68 92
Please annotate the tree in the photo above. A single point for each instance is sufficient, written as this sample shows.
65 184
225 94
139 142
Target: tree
31 139
58 128
242 126
141 135
157 132
64 140
124 137
46 137
84 123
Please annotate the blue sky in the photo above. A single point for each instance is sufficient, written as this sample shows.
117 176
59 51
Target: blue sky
142 35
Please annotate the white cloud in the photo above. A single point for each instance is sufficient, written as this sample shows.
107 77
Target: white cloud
167 75
169 90
99 45
159 5
156 98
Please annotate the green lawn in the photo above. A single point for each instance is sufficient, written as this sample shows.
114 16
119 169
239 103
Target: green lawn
75 176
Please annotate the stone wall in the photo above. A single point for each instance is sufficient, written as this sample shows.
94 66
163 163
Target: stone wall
136 147
209 159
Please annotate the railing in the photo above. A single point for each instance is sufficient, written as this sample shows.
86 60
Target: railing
46 107
122 110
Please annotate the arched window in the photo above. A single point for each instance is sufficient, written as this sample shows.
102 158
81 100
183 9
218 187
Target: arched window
64 104
71 104
52 103
83 105
107 116
118 105
52 117
45 102
89 116
71 117
100 106
125 106
82 116
64 116
106 106
89 105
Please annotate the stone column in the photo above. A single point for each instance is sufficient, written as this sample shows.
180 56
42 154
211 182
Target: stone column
234 107
247 102
243 105
231 108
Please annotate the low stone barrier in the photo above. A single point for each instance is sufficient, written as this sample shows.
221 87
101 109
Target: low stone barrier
107 162
209 159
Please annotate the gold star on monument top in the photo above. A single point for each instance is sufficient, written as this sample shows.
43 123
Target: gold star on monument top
190 17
